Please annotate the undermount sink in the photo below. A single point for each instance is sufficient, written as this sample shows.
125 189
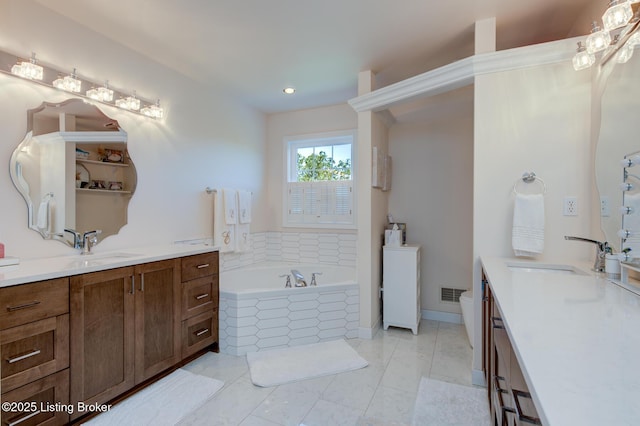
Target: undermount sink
101 258
544 268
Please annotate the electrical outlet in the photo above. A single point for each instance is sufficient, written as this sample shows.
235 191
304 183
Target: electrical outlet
605 211
570 207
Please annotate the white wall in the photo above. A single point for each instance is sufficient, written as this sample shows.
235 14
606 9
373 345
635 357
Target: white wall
207 138
301 122
433 191
536 119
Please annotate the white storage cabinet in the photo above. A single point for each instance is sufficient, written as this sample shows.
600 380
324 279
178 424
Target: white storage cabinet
401 287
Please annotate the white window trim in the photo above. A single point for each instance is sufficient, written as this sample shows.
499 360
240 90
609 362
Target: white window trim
290 164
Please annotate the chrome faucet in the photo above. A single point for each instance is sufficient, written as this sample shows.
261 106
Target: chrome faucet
89 239
84 241
602 248
77 238
299 278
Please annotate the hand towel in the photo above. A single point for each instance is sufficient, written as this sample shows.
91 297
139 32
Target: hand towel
243 237
527 236
230 203
43 214
244 206
224 235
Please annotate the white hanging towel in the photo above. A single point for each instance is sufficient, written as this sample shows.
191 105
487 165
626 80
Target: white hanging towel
528 224
244 206
243 237
230 202
224 235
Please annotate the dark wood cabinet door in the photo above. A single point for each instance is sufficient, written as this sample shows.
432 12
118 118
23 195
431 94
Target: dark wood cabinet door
102 335
157 319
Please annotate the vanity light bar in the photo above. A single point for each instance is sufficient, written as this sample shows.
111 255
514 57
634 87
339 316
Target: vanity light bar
48 76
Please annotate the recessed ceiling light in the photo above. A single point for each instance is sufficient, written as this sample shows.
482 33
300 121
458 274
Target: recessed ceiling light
289 90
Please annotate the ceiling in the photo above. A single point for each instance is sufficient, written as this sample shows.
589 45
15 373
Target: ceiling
255 48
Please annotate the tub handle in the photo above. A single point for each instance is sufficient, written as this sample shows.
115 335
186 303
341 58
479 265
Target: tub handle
287 284
313 278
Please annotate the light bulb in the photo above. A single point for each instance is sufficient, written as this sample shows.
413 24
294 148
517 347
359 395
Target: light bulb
130 102
582 58
625 186
29 70
598 40
617 15
69 83
153 111
630 161
102 94
626 210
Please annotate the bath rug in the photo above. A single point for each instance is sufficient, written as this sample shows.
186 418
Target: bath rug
165 402
279 366
435 399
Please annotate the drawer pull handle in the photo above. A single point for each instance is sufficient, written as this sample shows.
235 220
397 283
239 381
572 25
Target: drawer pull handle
24 418
23 306
24 356
204 265
493 322
202 296
517 394
201 332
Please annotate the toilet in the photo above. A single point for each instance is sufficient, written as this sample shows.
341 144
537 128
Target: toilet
466 304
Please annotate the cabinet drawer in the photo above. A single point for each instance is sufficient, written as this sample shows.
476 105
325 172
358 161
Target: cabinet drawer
199 296
199 332
199 265
39 399
34 350
25 303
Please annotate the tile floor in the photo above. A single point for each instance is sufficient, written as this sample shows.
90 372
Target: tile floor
383 393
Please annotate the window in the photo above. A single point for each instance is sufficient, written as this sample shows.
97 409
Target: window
320 180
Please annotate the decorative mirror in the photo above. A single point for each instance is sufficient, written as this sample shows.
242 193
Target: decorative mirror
74 171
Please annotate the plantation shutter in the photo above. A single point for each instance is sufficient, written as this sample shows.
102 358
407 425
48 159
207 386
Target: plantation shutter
320 202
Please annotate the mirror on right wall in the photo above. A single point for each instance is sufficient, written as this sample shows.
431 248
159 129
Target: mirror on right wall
618 183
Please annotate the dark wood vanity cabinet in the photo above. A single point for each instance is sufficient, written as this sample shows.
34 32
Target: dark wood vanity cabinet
34 343
125 328
199 302
510 402
93 337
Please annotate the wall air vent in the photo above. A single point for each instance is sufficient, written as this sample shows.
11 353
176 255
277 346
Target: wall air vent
451 294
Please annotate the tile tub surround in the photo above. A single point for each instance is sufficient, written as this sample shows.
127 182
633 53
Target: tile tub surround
304 315
299 247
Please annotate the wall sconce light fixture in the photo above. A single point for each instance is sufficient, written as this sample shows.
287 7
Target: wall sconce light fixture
52 77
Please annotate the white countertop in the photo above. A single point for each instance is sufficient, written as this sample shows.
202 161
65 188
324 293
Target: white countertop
31 270
577 339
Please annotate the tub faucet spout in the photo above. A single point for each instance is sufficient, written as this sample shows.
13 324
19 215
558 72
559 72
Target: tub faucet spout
299 278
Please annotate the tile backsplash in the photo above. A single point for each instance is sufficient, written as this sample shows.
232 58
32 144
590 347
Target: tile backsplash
300 247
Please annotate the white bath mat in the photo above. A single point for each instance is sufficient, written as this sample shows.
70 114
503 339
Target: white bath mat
278 366
435 401
165 402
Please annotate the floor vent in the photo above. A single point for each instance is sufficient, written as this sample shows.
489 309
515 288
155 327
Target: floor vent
450 294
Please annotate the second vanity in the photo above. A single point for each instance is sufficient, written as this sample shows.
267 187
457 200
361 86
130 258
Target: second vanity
81 331
560 346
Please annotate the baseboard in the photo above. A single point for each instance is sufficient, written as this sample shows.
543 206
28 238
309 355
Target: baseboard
368 333
477 378
442 316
